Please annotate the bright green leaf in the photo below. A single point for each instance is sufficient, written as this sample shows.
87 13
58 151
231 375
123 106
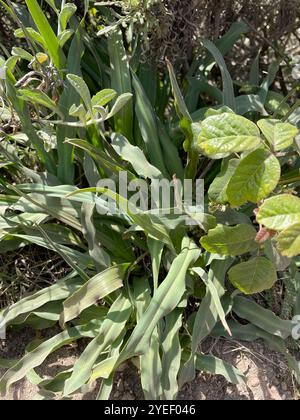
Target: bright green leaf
255 178
227 133
226 240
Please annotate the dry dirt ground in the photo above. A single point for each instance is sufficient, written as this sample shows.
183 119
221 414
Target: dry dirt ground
267 373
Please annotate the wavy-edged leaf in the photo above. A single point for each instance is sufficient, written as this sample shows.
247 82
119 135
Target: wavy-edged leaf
142 219
206 317
165 300
171 354
59 291
37 356
150 361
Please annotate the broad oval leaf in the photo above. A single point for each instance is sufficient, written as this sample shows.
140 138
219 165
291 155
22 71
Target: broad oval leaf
280 212
288 241
253 276
279 135
226 240
255 178
227 133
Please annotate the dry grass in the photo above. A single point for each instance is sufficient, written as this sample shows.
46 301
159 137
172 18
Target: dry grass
27 271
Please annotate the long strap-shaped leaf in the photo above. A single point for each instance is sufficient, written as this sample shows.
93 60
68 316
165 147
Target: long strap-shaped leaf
151 367
37 356
121 82
206 317
228 91
54 49
92 291
111 329
165 300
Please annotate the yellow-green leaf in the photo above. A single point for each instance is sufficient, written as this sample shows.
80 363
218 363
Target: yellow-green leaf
217 190
255 178
288 241
279 135
226 240
227 133
280 212
253 276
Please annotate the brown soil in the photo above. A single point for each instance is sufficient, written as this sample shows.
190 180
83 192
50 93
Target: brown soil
268 376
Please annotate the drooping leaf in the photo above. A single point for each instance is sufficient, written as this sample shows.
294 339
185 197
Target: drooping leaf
135 156
228 90
227 133
65 15
37 97
262 318
227 240
253 276
256 176
37 356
